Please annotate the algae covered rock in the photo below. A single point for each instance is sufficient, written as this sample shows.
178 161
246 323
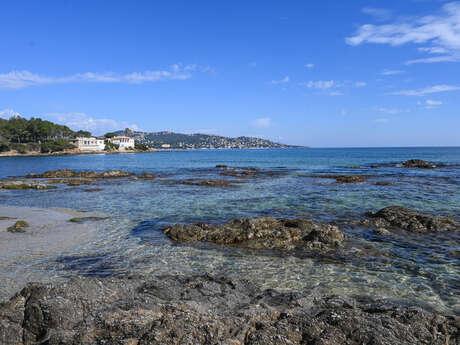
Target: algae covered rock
19 226
260 233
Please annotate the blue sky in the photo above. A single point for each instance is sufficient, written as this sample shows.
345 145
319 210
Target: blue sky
318 73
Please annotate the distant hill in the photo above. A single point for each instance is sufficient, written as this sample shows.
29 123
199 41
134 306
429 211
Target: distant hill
197 141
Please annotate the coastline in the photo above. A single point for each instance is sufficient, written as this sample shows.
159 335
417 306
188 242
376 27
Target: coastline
74 153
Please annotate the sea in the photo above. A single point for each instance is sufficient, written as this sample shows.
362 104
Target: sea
406 268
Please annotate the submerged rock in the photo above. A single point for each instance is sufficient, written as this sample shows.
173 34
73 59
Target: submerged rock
419 163
344 178
203 310
409 220
259 233
384 183
92 190
82 220
210 183
147 176
19 226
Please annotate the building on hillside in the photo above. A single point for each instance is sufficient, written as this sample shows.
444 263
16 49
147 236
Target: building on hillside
123 142
165 146
89 144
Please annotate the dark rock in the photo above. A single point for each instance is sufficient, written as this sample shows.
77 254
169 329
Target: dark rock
374 166
203 310
221 166
67 173
92 190
418 163
210 183
409 220
19 226
147 176
381 231
384 183
82 220
344 178
264 232
72 181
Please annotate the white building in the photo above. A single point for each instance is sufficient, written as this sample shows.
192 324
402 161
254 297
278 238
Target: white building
89 144
123 142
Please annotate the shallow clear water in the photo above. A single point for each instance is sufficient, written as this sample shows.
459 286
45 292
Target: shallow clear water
412 268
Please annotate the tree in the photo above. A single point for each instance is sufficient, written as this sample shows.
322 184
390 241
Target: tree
110 135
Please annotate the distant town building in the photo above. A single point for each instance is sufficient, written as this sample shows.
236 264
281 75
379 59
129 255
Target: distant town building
165 146
89 144
123 142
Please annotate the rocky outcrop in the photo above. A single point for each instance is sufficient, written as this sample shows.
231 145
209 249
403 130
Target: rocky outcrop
22 185
419 163
209 311
68 173
409 220
264 232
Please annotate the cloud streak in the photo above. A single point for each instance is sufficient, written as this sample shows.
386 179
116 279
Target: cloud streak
440 33
23 79
427 90
262 122
285 80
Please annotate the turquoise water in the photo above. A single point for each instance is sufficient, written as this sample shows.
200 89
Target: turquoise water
410 268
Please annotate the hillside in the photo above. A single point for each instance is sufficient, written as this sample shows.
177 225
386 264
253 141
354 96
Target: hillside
197 141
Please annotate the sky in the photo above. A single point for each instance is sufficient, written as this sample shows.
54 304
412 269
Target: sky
315 73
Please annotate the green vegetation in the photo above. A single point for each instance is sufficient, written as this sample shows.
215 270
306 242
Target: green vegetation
110 135
35 134
141 147
110 146
56 146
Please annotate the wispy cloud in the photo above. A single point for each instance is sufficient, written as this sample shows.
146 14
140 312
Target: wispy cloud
433 102
391 111
281 81
380 14
7 113
441 34
360 84
23 79
262 122
382 120
320 84
391 72
427 90
309 65
81 121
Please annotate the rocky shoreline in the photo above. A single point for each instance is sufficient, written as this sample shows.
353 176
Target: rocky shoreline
209 310
217 310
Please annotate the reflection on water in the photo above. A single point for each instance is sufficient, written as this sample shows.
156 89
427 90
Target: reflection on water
421 269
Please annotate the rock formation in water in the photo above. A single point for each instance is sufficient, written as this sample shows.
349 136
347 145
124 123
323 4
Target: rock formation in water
409 220
263 232
210 311
419 163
